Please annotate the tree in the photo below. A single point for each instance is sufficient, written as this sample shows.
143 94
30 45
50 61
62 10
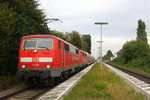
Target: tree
108 56
7 28
83 42
68 36
109 53
136 53
18 18
135 49
76 39
30 19
141 33
56 33
86 45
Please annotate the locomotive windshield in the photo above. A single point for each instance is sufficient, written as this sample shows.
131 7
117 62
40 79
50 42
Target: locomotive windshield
37 43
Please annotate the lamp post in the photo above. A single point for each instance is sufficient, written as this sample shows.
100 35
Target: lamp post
101 23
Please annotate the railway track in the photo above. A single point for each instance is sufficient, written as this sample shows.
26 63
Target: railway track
138 80
32 93
138 74
29 93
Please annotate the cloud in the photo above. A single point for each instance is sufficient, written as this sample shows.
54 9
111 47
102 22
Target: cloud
74 8
80 15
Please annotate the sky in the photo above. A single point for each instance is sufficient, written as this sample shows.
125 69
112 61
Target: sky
80 15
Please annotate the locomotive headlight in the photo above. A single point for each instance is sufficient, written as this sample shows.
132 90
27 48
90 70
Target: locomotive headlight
23 66
48 66
35 51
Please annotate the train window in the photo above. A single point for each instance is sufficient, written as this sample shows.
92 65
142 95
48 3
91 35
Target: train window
66 47
59 44
38 43
44 43
77 52
71 49
74 50
29 43
84 54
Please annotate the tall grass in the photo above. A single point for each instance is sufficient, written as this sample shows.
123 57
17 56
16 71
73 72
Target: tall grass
102 85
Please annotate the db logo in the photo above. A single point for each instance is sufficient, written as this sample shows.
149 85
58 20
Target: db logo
36 59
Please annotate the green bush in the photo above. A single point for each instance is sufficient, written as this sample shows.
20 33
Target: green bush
139 62
119 60
135 49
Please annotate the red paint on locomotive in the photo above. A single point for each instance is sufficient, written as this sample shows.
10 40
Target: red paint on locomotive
48 56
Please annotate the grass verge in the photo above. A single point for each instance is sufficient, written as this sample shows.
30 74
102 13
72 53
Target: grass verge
145 69
7 82
102 85
136 64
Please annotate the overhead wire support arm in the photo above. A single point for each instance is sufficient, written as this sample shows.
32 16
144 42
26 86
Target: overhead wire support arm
49 20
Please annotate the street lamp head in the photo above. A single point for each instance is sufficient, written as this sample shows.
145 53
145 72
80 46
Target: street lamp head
101 23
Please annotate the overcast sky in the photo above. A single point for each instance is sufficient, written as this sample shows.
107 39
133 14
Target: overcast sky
80 15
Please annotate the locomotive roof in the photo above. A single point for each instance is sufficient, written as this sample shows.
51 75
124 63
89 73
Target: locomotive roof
40 35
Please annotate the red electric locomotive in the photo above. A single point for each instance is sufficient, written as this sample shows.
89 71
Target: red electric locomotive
43 58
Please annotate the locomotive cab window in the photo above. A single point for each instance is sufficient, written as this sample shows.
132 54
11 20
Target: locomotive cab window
29 43
37 43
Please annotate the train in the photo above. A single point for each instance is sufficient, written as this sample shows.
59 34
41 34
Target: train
44 59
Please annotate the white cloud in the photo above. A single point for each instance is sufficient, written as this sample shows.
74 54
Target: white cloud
70 8
80 15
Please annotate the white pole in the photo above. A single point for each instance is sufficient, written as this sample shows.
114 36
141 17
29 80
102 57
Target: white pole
101 49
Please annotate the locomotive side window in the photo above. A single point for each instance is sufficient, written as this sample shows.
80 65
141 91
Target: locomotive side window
84 54
77 52
66 47
72 49
59 44
37 43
